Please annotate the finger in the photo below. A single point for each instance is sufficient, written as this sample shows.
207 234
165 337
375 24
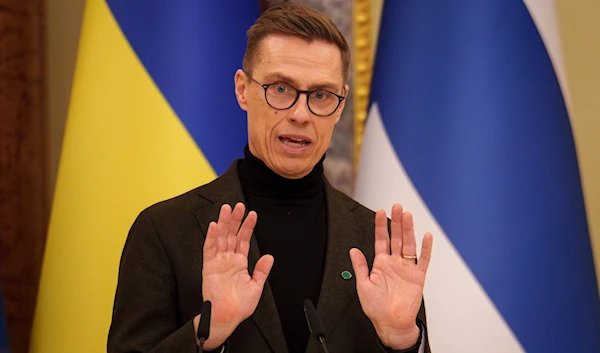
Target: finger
359 265
210 242
262 269
245 234
222 226
236 219
409 243
396 230
425 252
382 238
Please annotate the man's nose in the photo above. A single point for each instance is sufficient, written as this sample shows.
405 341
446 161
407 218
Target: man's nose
299 112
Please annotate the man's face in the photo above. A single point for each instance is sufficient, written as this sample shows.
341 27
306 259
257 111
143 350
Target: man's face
290 142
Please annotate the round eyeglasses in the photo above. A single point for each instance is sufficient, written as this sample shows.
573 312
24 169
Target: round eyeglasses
281 96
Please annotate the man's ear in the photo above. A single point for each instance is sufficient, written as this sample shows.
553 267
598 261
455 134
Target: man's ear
343 104
241 93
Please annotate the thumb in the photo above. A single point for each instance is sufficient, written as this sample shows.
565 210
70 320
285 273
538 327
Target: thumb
359 264
262 269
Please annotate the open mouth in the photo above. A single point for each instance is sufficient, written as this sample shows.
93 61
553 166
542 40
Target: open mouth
294 141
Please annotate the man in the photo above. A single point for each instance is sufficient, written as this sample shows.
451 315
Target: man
200 246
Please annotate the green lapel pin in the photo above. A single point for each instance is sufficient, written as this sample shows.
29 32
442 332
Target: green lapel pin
346 275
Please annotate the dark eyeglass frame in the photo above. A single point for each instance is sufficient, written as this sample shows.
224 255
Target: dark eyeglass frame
298 93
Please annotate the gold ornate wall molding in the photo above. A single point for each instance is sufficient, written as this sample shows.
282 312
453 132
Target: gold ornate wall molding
363 66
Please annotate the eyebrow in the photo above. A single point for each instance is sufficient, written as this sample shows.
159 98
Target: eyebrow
278 76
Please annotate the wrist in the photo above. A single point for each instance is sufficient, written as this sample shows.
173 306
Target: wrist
398 339
218 335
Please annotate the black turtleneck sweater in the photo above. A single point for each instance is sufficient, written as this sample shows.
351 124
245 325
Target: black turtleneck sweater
292 226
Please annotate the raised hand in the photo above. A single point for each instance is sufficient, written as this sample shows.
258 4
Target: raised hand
226 282
391 294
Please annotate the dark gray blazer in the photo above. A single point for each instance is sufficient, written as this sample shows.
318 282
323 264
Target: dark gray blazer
160 278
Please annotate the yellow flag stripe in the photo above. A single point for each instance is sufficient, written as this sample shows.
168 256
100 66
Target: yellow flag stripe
124 149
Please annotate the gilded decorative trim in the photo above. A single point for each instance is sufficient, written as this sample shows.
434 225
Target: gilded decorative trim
361 23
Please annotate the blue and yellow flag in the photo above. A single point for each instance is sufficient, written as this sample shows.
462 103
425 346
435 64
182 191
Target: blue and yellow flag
469 129
153 114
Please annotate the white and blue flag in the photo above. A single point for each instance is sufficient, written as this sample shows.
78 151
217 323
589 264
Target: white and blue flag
469 129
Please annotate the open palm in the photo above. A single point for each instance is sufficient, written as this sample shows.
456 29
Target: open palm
226 282
391 294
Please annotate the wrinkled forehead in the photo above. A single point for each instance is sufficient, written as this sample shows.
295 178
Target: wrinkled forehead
298 61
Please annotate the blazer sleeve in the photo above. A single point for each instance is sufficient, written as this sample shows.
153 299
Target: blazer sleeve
422 320
145 314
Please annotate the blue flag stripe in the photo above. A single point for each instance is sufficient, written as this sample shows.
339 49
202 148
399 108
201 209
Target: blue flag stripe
4 344
469 98
192 49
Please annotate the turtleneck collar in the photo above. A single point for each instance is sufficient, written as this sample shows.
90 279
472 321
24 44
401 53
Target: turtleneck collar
258 179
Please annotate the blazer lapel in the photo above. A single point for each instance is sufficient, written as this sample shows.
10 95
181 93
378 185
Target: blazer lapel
227 189
337 293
